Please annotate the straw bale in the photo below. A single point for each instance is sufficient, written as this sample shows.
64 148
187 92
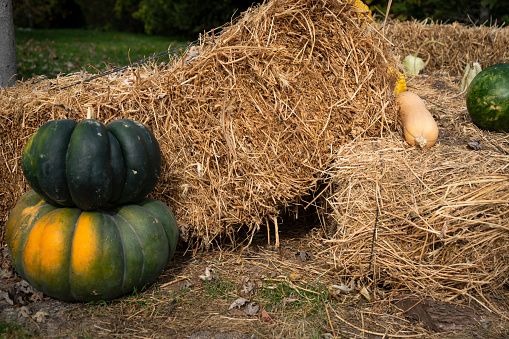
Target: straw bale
247 120
441 215
463 44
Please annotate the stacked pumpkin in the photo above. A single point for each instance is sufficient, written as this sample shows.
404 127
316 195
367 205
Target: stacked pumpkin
87 231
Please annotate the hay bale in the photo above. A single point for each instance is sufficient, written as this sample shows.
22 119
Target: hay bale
441 215
463 44
247 124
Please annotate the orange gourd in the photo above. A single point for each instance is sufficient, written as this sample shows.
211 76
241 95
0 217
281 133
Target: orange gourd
419 127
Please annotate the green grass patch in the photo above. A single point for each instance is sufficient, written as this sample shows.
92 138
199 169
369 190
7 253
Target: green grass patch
220 288
301 304
14 330
279 294
51 52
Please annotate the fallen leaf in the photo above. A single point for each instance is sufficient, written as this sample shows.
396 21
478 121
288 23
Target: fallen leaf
208 274
25 287
251 309
24 312
364 292
5 295
344 288
186 285
266 318
184 229
238 303
13 296
38 296
304 256
4 274
40 316
247 285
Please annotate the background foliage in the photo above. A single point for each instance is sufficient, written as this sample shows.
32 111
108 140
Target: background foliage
187 18
47 14
465 11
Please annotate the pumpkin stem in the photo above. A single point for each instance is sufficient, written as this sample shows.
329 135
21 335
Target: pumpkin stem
90 113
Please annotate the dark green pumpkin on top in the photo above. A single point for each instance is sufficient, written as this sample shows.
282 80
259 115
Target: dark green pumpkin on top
89 164
77 255
488 98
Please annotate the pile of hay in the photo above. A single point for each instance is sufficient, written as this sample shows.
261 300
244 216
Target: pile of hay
297 93
441 215
462 44
247 122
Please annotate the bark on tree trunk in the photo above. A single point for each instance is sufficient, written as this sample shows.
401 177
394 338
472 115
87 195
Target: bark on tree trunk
8 67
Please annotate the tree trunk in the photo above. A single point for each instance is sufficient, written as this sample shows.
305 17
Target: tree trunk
8 67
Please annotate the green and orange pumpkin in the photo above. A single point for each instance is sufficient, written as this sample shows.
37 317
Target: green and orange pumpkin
89 164
77 255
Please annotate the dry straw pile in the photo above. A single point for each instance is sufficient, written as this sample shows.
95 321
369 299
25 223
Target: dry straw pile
455 45
441 215
247 121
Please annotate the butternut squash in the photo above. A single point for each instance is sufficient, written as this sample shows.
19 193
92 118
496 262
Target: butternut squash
419 127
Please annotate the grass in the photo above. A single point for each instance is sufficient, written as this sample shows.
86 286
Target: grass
220 288
14 330
291 302
51 52
302 304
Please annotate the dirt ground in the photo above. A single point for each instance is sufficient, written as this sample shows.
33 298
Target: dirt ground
263 292
180 304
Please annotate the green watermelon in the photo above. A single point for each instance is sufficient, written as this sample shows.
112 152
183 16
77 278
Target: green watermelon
488 98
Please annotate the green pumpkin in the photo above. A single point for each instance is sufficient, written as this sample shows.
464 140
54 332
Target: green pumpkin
77 255
90 165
